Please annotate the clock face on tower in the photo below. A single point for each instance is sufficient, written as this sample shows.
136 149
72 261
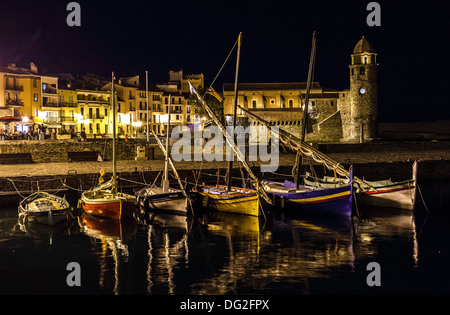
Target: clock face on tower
362 90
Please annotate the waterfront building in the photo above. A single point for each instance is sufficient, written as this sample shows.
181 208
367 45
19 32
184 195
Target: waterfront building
94 116
349 115
20 97
65 105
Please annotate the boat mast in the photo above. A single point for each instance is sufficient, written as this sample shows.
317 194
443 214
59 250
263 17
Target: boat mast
231 143
308 85
230 163
114 133
166 164
298 158
146 99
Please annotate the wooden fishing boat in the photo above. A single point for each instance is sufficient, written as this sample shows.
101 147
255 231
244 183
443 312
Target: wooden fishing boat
237 200
230 198
338 200
385 193
164 199
105 200
45 208
108 203
155 199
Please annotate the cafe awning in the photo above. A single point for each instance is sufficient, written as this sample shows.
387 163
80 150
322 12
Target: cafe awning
10 119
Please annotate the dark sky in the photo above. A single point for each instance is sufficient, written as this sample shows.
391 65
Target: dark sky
130 36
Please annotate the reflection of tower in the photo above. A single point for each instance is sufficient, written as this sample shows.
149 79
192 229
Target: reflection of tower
363 91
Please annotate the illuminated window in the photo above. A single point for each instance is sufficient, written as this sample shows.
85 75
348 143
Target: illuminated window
365 59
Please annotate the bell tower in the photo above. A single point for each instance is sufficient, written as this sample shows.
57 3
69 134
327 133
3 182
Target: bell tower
363 92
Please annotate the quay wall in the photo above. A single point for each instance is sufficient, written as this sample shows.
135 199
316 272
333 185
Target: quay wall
49 151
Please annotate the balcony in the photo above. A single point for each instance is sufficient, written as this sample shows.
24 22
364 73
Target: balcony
68 119
14 102
49 90
95 116
50 104
66 104
12 87
51 120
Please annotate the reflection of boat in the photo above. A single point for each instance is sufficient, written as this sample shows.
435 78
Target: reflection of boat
106 228
164 199
105 200
167 249
233 223
45 208
385 193
113 235
377 223
168 220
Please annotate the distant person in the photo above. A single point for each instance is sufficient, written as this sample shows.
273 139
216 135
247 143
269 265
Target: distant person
83 135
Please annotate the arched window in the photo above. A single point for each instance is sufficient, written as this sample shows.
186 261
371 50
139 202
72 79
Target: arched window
362 71
365 59
254 103
291 104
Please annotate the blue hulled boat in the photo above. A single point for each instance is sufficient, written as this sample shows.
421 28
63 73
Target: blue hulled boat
337 200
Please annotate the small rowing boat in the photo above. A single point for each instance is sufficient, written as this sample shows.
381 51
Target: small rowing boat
45 208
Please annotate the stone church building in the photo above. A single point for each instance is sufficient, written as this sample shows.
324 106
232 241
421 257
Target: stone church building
334 116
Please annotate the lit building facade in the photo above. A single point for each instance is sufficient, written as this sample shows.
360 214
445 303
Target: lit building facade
349 115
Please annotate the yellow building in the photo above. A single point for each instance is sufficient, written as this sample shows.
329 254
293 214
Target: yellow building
20 97
94 112
69 110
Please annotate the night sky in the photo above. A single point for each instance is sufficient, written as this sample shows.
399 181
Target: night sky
130 36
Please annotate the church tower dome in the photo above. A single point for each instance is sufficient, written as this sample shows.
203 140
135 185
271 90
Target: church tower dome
363 92
363 46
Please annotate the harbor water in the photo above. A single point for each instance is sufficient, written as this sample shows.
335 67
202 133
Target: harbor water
210 253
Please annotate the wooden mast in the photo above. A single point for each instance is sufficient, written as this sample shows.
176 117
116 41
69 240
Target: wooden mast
166 164
298 158
114 183
230 163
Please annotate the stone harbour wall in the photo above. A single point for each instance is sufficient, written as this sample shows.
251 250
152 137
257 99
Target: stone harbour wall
57 150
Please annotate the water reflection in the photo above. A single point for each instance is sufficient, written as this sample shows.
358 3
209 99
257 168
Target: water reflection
167 236
383 224
111 238
212 253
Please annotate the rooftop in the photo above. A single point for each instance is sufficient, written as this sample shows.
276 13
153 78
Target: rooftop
363 46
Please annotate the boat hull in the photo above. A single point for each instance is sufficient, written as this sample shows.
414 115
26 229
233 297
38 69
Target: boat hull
397 196
240 200
44 208
386 193
108 206
328 200
154 200
47 217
